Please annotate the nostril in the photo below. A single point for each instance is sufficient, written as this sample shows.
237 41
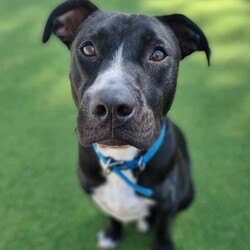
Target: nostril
100 111
124 110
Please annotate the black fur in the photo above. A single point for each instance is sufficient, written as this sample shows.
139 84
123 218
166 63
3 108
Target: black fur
151 84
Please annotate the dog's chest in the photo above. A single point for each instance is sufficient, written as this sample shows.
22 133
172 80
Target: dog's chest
119 200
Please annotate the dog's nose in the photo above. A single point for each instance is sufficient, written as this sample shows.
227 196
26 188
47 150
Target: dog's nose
112 103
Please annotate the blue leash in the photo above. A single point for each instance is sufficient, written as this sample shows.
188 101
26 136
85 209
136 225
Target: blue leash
117 166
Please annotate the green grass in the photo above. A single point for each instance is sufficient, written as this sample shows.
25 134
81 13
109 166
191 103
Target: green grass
41 203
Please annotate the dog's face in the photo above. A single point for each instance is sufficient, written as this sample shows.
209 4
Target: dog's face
123 69
127 83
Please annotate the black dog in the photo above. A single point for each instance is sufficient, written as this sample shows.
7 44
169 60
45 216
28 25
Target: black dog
133 161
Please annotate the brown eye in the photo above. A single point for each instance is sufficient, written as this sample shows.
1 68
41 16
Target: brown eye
158 55
89 50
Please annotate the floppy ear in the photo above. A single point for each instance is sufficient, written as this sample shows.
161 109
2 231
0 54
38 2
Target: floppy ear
191 38
65 19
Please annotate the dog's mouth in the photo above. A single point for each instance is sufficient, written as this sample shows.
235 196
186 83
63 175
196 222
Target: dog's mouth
112 143
106 138
141 137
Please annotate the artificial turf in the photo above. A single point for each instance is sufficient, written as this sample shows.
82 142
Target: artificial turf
41 203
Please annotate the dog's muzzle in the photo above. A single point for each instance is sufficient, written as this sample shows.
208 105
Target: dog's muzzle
114 114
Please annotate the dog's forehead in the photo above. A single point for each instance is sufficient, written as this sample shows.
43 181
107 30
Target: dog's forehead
122 25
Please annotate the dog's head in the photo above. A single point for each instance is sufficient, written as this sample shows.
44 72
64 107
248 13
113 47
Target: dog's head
123 69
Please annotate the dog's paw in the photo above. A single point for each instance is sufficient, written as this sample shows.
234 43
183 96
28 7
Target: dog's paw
106 242
143 225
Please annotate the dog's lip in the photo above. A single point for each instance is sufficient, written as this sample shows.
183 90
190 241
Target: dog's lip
102 139
112 143
105 141
118 138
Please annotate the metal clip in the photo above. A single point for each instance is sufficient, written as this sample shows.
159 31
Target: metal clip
108 166
141 165
107 170
116 163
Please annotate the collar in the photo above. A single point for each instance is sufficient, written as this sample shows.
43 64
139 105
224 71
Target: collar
117 167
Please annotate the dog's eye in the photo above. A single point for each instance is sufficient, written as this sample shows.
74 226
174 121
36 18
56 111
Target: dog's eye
158 55
89 50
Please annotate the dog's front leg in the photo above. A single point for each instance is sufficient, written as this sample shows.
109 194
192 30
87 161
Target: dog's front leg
163 239
110 237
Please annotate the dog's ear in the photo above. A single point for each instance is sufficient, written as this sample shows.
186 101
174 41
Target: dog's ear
191 38
65 19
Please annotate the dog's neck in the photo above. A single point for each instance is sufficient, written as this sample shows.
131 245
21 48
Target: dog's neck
123 153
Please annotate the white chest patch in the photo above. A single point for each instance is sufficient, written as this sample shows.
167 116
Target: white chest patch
116 197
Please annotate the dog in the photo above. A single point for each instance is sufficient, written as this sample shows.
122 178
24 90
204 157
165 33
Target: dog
133 160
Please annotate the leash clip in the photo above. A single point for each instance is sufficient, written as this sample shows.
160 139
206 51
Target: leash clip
109 166
141 165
